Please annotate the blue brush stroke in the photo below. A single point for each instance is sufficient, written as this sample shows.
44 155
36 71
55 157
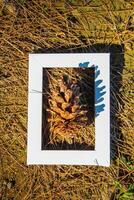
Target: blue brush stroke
99 93
85 64
99 109
97 73
99 90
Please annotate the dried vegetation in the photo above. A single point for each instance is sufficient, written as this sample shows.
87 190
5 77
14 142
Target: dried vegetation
54 26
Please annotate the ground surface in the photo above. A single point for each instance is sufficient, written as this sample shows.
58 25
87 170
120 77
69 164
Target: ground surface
40 26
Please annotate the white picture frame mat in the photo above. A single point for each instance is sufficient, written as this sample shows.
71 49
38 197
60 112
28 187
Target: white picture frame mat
35 156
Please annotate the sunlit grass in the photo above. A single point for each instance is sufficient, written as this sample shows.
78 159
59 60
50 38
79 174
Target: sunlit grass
44 26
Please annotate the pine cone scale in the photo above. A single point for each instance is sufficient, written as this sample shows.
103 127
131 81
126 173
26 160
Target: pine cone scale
65 110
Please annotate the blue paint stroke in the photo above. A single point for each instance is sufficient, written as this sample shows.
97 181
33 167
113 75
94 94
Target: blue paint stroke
99 93
84 65
99 90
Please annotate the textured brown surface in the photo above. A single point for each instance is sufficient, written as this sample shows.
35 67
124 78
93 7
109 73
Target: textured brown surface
69 112
40 26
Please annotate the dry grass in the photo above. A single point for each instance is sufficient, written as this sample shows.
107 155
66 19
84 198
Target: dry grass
37 25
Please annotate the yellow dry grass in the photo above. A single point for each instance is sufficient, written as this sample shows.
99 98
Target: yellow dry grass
45 26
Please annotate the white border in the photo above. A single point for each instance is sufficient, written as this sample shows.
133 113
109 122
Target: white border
101 155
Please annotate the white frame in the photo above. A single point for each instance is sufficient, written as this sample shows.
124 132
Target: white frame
35 156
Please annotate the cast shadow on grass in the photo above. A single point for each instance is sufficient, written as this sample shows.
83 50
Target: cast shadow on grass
116 69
